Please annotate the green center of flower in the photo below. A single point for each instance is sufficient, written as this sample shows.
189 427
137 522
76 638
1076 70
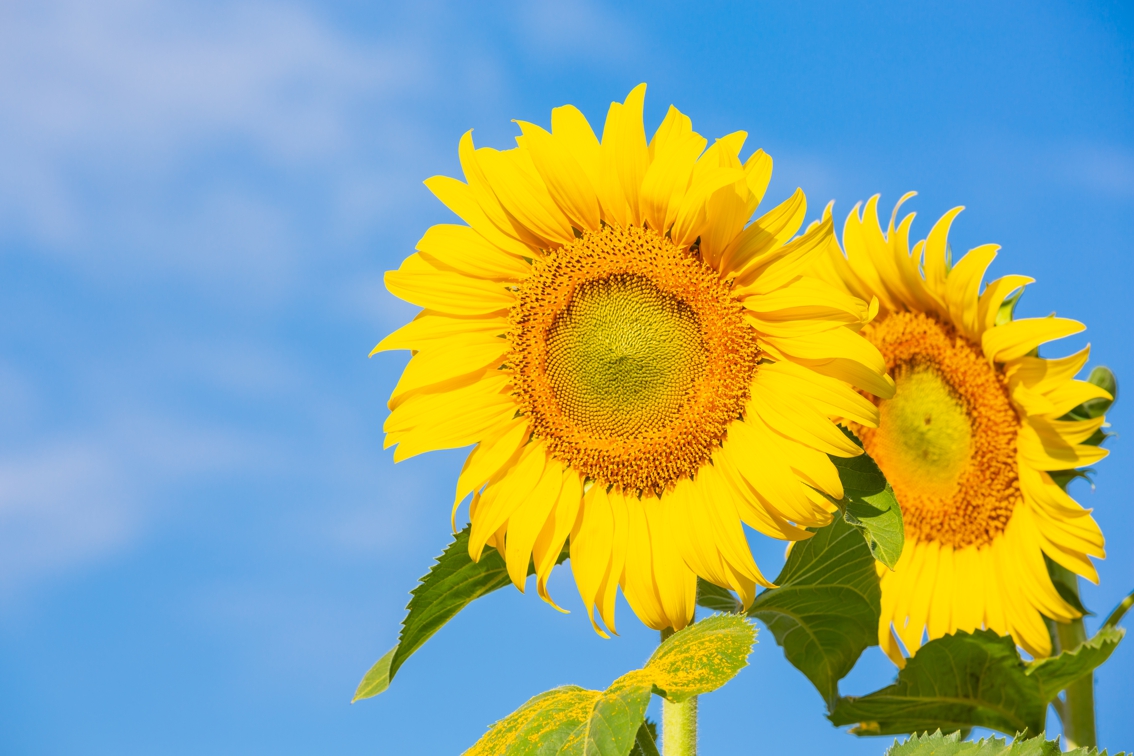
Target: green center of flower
623 356
925 430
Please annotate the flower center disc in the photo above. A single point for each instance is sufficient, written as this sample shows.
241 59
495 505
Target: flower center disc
927 435
623 357
946 441
631 357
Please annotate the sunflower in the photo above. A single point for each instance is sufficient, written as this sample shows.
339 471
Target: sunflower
970 438
640 369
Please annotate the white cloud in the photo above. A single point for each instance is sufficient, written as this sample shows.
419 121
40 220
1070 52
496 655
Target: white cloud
110 110
577 29
1101 169
59 506
69 501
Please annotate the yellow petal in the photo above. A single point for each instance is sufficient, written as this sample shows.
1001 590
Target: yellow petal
504 494
497 450
419 283
457 356
464 250
591 541
766 233
450 420
461 199
523 194
430 326
575 135
674 151
988 306
963 286
1015 339
549 544
937 251
638 582
526 522
843 354
566 180
625 157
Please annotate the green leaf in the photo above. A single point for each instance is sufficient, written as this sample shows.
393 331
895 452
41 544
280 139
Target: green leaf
824 612
376 679
962 680
952 745
646 742
1055 673
453 582
973 680
717 599
870 505
573 721
702 657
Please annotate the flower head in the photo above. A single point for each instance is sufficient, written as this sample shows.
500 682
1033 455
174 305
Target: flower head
969 439
640 369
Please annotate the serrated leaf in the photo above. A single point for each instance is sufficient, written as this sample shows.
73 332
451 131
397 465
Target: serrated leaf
573 721
952 745
453 582
973 680
824 612
870 505
1055 673
958 681
702 657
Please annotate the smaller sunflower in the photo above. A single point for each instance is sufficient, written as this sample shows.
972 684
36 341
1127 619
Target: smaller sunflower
970 438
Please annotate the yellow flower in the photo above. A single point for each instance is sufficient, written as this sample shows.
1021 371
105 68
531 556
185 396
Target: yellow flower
639 370
969 438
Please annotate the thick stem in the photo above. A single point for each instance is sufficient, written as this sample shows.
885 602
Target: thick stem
1078 710
679 723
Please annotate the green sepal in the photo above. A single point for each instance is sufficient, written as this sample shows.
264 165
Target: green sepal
573 721
453 582
1104 378
1008 308
1119 611
973 679
954 745
869 504
717 599
1066 585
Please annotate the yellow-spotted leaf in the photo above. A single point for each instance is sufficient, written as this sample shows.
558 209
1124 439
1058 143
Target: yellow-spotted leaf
702 657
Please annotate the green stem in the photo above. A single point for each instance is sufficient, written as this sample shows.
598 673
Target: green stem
1077 709
679 723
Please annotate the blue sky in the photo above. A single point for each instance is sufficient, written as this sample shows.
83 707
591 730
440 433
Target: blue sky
202 543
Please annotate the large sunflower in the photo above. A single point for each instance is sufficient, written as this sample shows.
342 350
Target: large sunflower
639 370
969 439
